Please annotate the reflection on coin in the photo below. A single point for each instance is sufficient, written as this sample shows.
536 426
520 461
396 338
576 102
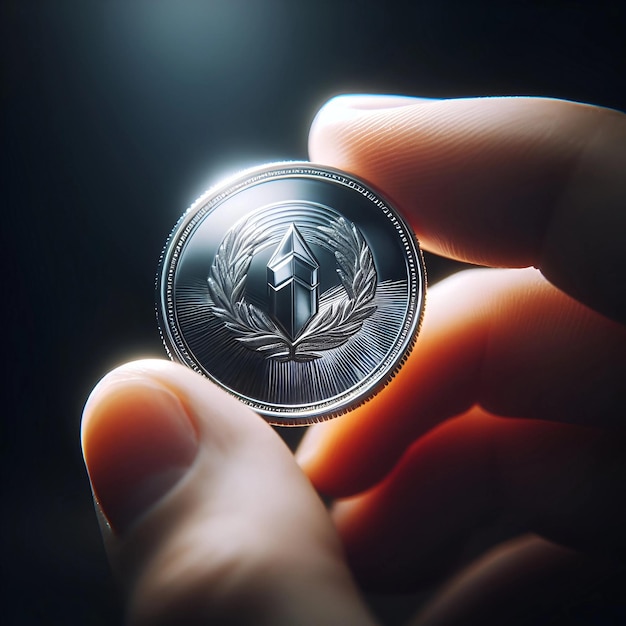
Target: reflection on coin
295 287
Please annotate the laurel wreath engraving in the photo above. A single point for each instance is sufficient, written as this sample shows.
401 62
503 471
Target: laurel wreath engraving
340 315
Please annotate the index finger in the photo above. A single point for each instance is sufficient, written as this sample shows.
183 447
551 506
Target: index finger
497 181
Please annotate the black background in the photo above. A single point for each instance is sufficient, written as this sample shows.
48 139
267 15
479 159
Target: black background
116 115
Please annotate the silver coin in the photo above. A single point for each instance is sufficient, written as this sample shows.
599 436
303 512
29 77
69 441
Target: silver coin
295 287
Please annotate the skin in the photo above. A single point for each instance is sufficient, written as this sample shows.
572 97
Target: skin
510 407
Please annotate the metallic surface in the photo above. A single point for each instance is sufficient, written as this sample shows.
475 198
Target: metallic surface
292 283
295 287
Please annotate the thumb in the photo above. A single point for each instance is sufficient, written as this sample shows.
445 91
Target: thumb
205 514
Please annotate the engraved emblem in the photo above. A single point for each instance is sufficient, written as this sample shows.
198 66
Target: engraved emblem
295 287
299 324
292 281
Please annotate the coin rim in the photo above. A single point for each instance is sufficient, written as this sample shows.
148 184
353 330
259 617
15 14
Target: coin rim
209 201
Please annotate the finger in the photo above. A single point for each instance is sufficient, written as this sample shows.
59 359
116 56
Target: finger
561 481
525 580
503 339
497 181
208 518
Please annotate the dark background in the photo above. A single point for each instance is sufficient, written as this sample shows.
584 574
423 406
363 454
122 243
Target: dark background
116 115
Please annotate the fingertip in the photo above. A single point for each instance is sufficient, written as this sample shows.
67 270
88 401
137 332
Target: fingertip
500 181
306 453
137 439
341 111
211 519
349 105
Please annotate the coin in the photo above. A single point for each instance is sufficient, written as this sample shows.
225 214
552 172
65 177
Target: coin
295 287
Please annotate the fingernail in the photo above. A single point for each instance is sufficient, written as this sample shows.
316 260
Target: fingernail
138 442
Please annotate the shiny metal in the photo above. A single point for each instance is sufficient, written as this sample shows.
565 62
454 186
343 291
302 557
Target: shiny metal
295 287
292 283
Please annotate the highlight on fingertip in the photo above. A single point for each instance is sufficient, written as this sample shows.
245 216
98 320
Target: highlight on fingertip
347 106
138 442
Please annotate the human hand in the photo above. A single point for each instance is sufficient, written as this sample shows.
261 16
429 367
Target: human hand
512 405
511 401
